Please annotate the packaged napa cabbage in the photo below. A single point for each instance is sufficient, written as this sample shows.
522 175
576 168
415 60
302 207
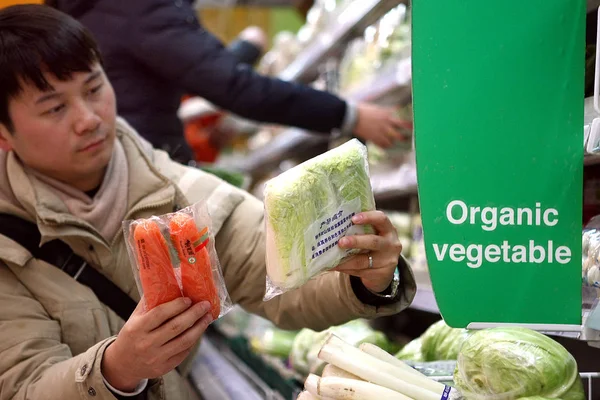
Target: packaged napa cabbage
309 209
305 350
513 363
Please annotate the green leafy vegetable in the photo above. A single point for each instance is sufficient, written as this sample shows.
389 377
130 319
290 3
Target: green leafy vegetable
275 342
439 342
413 351
512 363
304 195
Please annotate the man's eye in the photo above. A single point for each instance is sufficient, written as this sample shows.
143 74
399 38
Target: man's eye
96 89
55 110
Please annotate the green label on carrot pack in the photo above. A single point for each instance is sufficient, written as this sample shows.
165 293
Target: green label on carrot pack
498 104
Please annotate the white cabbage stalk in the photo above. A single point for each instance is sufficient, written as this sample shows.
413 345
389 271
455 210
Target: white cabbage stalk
333 371
351 389
383 355
307 396
337 352
311 385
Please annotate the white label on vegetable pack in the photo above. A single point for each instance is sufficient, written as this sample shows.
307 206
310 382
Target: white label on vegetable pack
322 237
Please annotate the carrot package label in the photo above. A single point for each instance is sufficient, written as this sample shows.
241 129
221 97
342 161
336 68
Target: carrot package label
173 255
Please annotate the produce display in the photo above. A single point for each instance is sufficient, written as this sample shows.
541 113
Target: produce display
515 363
369 372
382 45
309 209
403 223
499 363
439 342
306 346
273 342
591 259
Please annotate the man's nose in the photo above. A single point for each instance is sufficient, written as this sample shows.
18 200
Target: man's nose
86 119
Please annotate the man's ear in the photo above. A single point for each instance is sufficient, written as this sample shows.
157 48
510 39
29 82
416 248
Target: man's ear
5 138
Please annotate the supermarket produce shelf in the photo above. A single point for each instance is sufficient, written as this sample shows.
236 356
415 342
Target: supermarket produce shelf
218 374
425 301
394 184
394 80
293 143
348 23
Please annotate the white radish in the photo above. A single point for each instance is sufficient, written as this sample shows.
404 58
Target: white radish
306 396
311 385
333 371
349 358
383 355
351 389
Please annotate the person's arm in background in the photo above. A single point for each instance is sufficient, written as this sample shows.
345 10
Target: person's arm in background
169 40
249 46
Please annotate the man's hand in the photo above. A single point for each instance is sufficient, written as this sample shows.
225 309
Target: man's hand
153 343
378 125
384 247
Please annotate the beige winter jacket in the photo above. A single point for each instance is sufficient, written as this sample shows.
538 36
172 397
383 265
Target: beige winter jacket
53 330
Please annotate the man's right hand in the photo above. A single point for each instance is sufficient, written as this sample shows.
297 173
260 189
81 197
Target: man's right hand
154 342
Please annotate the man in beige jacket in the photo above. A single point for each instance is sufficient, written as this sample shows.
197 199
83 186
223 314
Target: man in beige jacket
69 165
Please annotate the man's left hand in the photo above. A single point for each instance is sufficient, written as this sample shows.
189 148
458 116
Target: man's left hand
383 247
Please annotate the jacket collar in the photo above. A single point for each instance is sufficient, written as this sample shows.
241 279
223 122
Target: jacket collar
148 189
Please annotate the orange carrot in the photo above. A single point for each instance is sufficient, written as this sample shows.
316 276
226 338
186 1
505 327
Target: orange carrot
156 271
196 272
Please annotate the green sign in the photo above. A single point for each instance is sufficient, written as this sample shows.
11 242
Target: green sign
498 103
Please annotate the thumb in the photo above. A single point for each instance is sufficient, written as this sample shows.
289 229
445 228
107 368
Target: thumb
141 307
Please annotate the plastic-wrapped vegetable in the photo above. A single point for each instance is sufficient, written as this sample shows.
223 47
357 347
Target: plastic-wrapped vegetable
173 255
309 209
512 363
590 263
439 342
413 351
308 343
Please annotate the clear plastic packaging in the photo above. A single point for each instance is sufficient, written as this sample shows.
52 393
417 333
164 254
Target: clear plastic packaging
309 208
511 363
173 255
590 263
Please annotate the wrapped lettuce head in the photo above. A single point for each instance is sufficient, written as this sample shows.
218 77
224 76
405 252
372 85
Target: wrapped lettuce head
308 209
440 342
513 363
413 351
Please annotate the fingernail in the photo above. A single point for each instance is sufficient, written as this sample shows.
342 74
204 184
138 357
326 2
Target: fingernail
205 306
344 242
357 218
187 301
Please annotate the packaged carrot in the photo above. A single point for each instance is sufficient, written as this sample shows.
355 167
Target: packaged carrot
173 255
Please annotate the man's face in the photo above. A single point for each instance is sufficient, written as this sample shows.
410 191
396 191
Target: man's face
67 133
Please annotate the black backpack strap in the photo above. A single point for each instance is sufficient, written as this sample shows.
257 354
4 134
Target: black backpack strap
60 255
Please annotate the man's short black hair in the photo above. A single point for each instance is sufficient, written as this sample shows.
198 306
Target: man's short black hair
37 39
